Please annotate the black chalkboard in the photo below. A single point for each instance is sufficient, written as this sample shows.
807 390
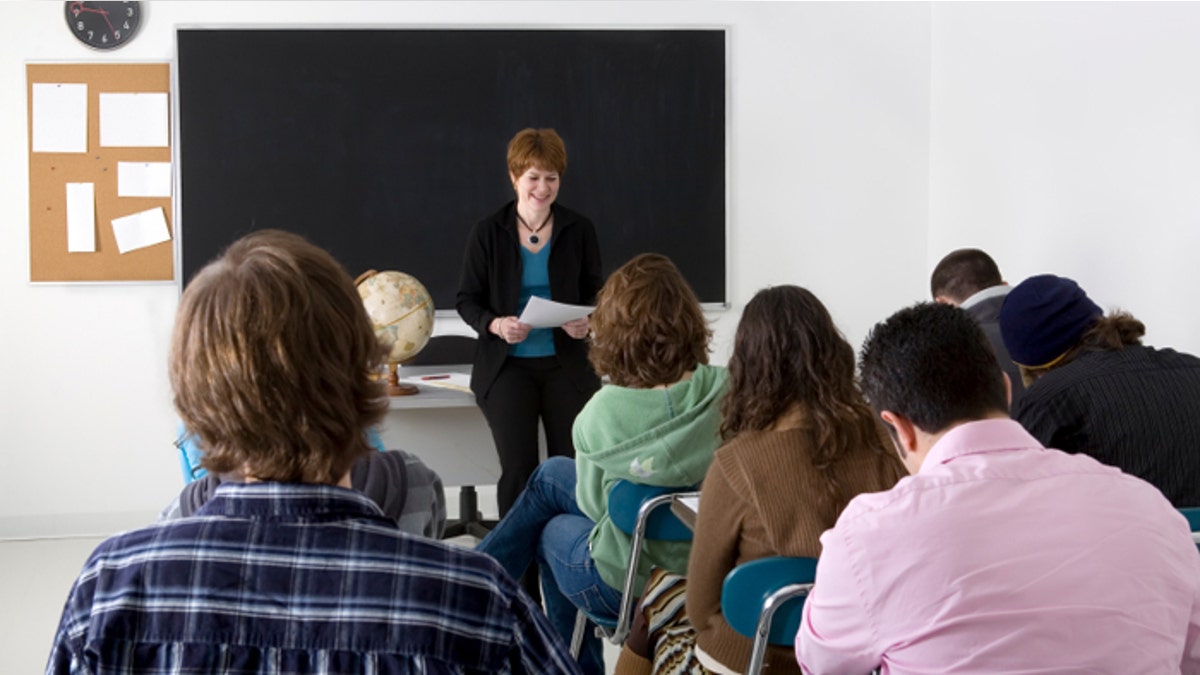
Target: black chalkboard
386 146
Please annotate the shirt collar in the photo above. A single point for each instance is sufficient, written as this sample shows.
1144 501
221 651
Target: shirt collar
987 293
276 500
978 437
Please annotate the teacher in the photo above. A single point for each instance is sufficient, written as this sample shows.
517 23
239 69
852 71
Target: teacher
531 247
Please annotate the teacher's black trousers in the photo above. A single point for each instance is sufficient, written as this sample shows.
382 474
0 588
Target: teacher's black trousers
525 391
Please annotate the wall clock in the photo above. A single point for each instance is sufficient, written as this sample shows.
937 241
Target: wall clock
104 25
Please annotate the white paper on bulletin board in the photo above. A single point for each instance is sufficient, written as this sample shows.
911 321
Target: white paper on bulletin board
134 120
60 121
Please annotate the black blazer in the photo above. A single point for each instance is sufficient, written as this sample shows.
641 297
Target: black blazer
490 286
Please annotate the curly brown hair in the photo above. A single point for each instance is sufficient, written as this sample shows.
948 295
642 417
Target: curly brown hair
1110 333
788 353
273 361
648 328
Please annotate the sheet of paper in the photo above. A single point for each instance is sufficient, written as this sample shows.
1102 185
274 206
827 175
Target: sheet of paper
140 230
81 218
143 179
543 313
60 117
134 120
692 503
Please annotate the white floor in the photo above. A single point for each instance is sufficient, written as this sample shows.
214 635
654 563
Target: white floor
35 576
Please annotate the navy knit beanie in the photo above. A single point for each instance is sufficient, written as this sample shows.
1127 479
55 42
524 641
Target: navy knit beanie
1043 317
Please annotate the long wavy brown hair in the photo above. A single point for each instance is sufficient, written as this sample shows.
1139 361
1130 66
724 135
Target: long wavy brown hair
788 353
648 328
273 361
1110 333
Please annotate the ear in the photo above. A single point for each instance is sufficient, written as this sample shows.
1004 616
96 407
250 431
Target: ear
944 300
906 434
513 177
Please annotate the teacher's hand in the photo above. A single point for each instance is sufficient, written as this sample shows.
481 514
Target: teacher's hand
578 328
509 329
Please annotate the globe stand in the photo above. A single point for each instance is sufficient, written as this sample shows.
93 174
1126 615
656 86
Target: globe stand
395 387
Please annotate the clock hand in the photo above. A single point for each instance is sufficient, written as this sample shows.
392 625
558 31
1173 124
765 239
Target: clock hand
81 7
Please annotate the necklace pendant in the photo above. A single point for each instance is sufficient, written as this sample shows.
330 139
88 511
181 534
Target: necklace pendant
533 239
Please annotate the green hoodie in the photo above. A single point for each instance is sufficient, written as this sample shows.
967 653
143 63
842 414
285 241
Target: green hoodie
650 436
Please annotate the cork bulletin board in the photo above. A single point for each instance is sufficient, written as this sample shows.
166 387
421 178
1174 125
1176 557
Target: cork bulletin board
50 172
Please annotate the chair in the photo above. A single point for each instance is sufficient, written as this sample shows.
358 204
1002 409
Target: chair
763 600
635 510
1193 517
453 350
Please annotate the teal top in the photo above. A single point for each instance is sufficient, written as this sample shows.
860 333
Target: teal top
535 280
651 436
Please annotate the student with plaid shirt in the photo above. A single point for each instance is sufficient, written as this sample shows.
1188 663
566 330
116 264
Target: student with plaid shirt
289 570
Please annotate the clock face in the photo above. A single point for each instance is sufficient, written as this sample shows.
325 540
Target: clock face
104 25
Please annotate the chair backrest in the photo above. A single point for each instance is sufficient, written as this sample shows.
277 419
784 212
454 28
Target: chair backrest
1193 517
626 498
1192 513
748 586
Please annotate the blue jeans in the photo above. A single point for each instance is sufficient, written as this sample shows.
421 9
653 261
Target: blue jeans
546 513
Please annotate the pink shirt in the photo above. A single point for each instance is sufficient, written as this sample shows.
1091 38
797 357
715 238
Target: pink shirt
1001 556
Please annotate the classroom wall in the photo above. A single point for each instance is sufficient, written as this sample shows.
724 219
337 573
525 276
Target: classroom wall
829 188
1066 139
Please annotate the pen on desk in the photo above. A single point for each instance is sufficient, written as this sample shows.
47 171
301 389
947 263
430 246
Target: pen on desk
436 377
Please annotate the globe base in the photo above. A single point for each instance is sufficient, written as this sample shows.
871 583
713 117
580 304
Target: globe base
395 387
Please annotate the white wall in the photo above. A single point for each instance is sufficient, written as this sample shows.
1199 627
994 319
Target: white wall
829 189
1066 139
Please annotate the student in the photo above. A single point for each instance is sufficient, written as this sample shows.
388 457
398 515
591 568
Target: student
399 483
996 555
289 570
970 279
801 442
1095 388
656 423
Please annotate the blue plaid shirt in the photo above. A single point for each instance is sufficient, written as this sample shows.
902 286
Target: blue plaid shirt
285 578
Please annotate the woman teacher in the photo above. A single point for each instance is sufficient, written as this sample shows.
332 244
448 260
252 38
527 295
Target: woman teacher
531 247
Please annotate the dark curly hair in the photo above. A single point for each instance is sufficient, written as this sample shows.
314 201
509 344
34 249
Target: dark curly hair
648 328
788 353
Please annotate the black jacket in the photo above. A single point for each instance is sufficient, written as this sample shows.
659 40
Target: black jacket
490 286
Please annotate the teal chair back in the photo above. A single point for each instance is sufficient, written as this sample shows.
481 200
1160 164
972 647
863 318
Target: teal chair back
763 600
1192 514
1193 517
748 586
642 512
625 500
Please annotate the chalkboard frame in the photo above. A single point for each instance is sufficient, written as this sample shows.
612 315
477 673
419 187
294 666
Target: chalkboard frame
706 266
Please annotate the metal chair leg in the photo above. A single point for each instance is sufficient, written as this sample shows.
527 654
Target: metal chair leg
577 635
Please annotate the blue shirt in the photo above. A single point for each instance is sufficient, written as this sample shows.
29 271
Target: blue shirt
289 578
535 280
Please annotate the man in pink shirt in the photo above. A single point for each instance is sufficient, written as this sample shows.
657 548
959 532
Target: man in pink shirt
996 555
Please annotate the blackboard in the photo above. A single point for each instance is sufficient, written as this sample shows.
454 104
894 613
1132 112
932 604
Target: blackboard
386 146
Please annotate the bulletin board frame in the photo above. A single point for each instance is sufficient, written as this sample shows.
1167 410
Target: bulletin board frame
49 173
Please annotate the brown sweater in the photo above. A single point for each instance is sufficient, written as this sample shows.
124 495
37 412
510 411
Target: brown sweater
761 498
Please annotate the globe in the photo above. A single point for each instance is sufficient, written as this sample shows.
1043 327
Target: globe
401 312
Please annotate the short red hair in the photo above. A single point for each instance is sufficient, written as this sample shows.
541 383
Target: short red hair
542 148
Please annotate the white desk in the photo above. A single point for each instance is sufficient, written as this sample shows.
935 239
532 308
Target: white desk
444 428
